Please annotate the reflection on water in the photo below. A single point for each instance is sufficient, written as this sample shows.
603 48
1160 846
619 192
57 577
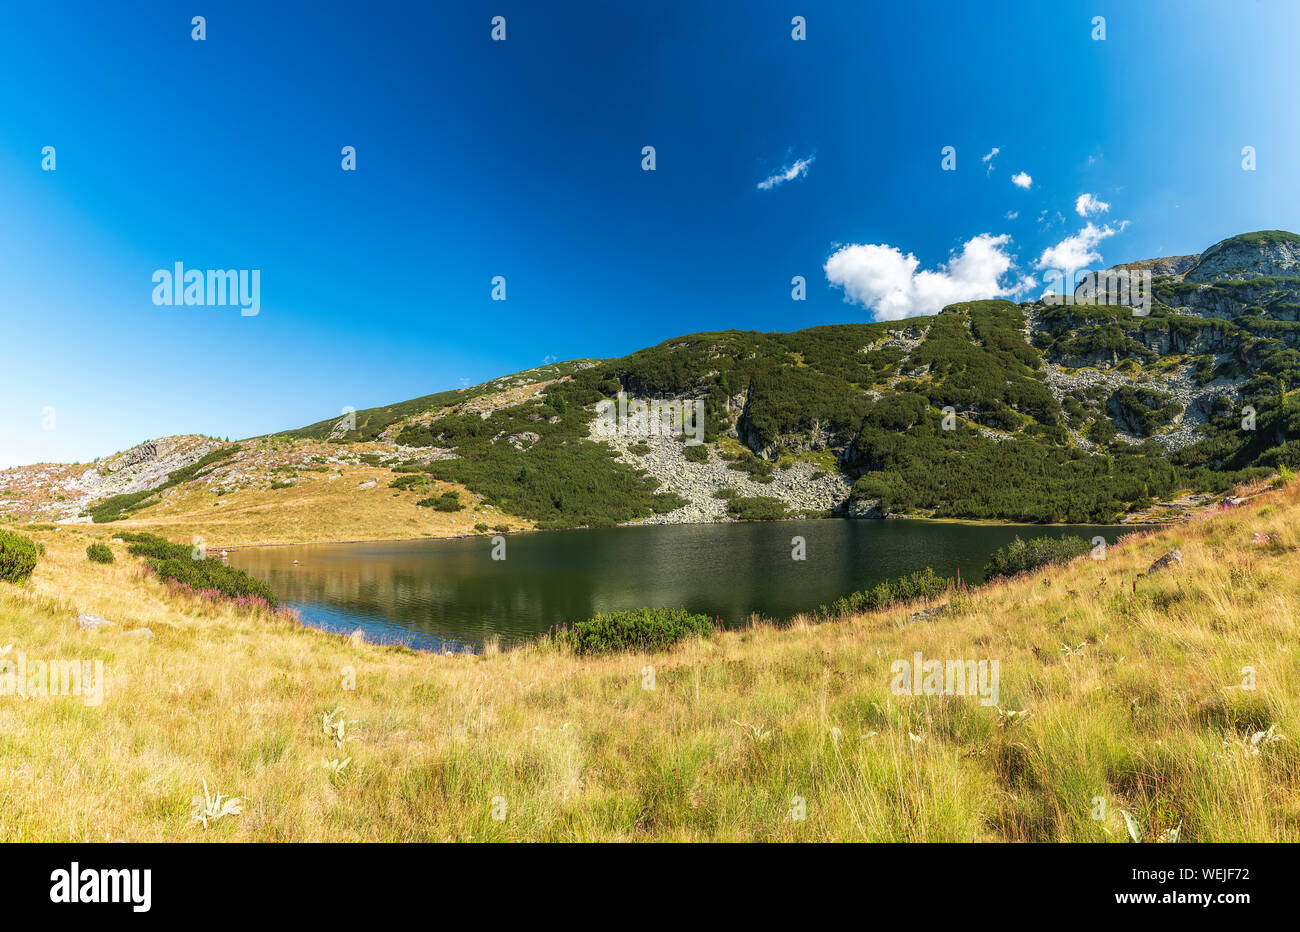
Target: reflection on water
435 593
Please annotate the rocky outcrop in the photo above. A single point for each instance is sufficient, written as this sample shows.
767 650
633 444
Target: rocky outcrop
801 487
146 452
1251 255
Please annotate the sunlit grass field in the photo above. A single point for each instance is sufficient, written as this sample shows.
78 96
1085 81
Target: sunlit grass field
319 508
1139 719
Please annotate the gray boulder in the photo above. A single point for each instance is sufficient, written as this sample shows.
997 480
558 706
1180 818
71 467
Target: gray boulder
1174 556
92 622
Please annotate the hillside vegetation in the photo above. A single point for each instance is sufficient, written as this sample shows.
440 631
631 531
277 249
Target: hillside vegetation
1036 412
1116 687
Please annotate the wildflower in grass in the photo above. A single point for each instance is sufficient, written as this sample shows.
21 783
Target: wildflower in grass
335 725
336 766
1250 747
1170 835
1009 718
758 731
209 808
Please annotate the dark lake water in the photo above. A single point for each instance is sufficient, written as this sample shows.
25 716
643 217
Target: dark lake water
435 593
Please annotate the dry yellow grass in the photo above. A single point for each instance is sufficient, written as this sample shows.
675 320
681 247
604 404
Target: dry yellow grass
318 508
1133 686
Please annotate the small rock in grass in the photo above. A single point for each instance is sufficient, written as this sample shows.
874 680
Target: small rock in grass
1168 560
931 612
142 633
92 622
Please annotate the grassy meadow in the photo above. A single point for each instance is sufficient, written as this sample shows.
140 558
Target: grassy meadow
319 508
1123 702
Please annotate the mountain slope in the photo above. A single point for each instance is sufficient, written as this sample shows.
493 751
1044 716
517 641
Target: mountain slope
1036 411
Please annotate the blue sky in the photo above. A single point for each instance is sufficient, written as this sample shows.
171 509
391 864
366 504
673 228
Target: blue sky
523 159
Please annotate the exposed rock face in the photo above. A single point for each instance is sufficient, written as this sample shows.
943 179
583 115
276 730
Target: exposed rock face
145 453
1255 254
802 486
1167 266
143 467
1250 255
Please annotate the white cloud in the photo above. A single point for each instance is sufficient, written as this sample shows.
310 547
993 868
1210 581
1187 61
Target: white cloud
787 173
1086 204
1022 180
1012 214
882 278
989 159
1076 252
1024 285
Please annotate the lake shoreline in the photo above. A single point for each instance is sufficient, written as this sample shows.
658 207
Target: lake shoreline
973 522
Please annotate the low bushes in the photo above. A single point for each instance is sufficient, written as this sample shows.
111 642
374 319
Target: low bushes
756 508
17 557
696 452
923 584
100 553
175 563
644 629
447 501
1019 556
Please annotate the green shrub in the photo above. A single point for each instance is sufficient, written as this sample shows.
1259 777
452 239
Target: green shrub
644 629
1020 556
447 501
756 508
213 576
17 557
923 584
696 452
99 553
760 470
175 563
